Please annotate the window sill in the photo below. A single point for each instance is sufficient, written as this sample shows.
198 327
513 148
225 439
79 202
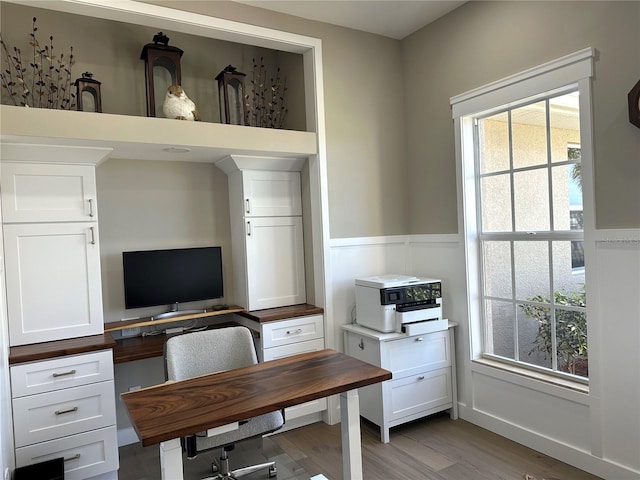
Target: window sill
530 375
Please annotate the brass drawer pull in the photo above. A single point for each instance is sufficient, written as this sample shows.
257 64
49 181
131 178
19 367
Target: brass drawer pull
70 372
70 410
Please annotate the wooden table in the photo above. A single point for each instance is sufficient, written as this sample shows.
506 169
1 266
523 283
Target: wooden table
163 413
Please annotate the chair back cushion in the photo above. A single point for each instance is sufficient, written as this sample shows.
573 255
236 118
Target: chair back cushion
209 351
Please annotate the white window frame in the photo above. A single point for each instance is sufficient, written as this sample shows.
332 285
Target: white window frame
574 70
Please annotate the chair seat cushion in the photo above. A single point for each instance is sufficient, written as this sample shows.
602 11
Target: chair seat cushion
256 426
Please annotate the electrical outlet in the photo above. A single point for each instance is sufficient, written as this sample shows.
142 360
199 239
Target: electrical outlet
130 332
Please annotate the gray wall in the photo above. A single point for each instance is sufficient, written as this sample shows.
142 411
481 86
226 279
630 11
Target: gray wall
364 109
481 42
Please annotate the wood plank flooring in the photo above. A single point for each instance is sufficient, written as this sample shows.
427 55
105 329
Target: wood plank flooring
435 448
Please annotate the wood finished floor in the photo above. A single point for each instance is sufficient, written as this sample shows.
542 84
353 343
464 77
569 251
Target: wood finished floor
435 448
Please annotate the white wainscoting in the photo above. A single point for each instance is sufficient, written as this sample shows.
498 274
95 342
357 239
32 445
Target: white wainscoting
597 431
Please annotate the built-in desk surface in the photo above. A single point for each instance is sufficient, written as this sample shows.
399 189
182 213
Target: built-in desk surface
175 409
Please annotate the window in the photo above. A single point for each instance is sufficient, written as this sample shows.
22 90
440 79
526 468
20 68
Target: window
523 179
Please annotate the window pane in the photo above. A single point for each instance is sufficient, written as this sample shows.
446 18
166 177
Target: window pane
571 337
497 269
567 197
531 200
564 120
496 203
499 321
494 143
529 135
534 335
531 260
568 266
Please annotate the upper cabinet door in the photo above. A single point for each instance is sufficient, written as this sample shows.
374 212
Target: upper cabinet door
271 194
48 193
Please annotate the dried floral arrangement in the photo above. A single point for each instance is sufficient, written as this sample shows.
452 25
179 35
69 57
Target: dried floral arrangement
265 102
43 81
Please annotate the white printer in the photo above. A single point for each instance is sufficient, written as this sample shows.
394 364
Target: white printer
400 303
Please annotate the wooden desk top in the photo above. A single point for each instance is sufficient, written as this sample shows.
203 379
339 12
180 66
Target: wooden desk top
176 409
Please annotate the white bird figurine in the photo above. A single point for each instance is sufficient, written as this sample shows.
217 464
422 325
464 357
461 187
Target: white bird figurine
177 105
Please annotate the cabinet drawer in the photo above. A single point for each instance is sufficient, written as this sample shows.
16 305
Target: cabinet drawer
48 193
420 353
417 393
293 349
50 415
86 455
59 373
362 347
294 330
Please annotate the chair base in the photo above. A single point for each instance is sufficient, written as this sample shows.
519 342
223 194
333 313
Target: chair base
223 472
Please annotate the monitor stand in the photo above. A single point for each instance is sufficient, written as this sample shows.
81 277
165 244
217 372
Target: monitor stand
175 312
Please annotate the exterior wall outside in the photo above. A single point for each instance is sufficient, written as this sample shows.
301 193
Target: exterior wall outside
530 148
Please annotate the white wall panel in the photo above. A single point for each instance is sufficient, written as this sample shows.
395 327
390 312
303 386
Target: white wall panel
355 258
545 414
618 273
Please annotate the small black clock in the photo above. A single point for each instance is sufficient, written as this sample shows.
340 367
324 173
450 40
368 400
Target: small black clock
634 105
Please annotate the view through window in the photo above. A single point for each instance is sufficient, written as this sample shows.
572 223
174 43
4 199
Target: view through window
530 234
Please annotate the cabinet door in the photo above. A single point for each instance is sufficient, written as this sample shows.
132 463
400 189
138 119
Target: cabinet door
53 281
271 194
275 262
48 193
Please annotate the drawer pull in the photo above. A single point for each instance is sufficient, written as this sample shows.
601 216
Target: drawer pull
75 457
70 372
294 332
421 377
70 410
91 207
419 339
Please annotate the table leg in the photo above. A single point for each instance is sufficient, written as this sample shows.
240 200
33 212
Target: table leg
351 443
171 460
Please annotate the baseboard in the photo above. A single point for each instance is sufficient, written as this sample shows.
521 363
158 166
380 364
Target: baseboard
558 450
127 436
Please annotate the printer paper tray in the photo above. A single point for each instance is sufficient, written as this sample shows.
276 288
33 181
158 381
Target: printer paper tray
426 326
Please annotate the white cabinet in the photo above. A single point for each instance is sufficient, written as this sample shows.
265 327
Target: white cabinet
267 234
34 192
286 337
52 255
423 369
65 407
269 194
52 281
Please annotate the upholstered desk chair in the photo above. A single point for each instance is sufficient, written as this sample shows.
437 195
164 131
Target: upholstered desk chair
209 351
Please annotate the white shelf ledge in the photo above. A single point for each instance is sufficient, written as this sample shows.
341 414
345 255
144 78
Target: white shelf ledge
144 138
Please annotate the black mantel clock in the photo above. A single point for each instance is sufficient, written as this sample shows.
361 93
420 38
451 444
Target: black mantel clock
634 105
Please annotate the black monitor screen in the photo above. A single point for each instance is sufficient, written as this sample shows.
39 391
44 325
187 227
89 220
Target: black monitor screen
164 277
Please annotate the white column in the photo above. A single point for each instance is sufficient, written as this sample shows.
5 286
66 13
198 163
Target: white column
171 460
350 427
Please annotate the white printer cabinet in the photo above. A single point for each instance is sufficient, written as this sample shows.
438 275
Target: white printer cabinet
423 369
52 255
266 225
65 407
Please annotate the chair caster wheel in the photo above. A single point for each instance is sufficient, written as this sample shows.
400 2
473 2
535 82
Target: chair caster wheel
273 471
214 467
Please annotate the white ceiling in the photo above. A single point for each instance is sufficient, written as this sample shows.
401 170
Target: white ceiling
390 18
